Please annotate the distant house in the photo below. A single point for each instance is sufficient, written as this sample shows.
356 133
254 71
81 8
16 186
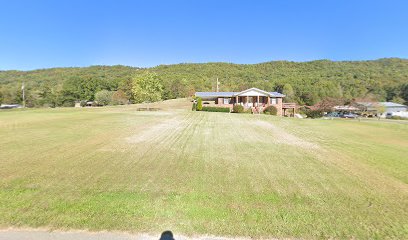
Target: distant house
253 98
389 107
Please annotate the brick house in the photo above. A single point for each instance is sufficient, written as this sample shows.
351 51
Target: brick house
253 98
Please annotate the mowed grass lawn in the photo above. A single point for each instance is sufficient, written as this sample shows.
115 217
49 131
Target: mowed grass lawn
194 173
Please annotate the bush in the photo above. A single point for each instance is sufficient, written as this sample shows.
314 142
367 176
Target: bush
238 109
194 108
68 104
104 97
83 103
199 104
216 109
399 118
314 113
271 110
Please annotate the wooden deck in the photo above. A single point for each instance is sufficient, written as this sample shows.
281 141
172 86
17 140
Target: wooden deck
288 105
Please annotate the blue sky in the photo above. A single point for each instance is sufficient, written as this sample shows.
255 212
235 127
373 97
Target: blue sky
61 33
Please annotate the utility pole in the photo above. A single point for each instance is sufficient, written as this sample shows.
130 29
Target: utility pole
218 86
22 88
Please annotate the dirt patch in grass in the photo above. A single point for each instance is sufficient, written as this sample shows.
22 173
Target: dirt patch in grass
281 136
156 131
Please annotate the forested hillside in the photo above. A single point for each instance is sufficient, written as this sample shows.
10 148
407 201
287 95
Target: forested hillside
303 82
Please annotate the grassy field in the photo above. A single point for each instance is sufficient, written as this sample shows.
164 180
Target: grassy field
223 174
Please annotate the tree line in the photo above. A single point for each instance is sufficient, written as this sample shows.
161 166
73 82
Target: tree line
305 83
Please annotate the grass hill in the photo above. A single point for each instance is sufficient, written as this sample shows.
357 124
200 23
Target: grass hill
303 82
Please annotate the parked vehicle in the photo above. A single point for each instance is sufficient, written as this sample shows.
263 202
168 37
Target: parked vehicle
332 115
349 115
10 106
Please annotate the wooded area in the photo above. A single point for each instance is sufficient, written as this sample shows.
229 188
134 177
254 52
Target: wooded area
302 82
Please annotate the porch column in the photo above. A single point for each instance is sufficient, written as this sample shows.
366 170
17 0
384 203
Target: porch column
257 100
247 100
236 99
269 101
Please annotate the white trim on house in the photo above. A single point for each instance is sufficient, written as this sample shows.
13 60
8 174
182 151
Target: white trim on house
253 92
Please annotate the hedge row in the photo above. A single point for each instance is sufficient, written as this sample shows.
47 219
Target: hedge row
216 109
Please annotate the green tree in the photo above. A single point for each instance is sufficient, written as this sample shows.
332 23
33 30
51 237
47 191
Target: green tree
404 92
147 88
48 95
78 88
178 89
125 85
397 99
311 81
104 97
289 92
1 97
199 104
310 98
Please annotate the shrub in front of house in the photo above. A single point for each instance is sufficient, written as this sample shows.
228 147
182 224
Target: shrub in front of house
199 104
271 110
194 107
238 109
216 109
314 113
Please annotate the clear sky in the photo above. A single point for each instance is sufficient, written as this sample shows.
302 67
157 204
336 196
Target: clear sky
62 33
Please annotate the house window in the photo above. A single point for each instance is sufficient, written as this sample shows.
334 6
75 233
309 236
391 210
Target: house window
226 100
273 101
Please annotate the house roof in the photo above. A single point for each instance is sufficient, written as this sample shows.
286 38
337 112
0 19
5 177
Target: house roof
345 108
392 104
233 94
214 94
385 104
